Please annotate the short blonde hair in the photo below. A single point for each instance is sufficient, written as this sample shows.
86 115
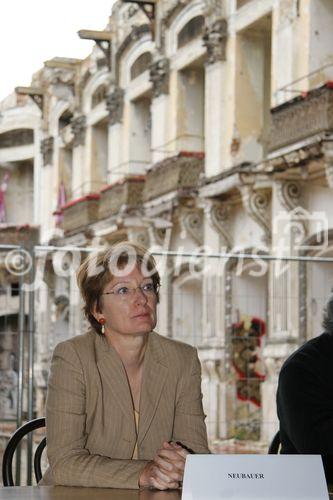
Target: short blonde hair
98 270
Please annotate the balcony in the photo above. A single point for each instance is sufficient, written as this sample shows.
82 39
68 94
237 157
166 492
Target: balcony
15 234
302 117
178 173
123 195
79 213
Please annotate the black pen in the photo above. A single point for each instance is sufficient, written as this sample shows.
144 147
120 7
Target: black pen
185 447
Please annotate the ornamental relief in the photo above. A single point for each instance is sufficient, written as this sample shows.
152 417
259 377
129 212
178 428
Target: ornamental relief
46 149
115 106
218 215
215 41
257 205
191 224
289 194
79 126
159 75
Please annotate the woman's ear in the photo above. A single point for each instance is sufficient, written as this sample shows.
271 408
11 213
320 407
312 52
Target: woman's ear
96 312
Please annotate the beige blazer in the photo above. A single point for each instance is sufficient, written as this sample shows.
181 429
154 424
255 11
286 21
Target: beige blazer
90 425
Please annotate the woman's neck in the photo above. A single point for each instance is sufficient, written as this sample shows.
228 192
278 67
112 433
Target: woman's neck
131 349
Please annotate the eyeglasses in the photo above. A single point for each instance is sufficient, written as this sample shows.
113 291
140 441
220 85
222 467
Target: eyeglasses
127 293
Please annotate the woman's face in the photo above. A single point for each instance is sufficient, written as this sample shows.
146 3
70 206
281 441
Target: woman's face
128 304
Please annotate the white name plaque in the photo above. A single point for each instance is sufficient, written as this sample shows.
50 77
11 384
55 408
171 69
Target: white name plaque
255 477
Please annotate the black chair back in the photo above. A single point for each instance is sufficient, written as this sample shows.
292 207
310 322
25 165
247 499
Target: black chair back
274 447
7 461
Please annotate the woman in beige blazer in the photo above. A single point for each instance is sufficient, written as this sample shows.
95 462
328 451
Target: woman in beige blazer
121 396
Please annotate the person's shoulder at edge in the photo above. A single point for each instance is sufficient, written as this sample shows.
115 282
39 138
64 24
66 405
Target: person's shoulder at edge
316 349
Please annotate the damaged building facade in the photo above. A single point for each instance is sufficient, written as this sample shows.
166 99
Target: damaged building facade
198 126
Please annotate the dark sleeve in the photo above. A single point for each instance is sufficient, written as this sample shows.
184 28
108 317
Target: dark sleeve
305 408
189 424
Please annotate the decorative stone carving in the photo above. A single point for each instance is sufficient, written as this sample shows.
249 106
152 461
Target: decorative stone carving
302 117
59 75
79 125
257 204
213 9
136 33
215 41
289 194
295 158
191 223
218 215
159 76
174 9
328 159
46 148
139 236
115 106
157 235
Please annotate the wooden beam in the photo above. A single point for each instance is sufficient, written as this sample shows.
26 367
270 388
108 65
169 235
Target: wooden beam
29 90
62 62
35 93
102 36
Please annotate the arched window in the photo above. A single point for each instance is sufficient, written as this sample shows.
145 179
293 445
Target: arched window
65 119
191 30
141 64
98 96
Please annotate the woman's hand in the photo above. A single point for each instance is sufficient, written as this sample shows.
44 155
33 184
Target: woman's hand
172 457
153 476
166 470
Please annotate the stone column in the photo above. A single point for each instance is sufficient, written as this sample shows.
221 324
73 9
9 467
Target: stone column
160 108
287 323
115 107
80 158
216 103
160 239
211 388
216 239
46 158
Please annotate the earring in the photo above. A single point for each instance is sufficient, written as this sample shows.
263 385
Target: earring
102 322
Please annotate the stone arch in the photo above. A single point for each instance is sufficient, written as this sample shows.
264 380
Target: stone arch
191 31
189 12
99 95
94 82
140 65
56 113
135 50
134 38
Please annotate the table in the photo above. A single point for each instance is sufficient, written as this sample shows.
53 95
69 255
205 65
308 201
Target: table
71 493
